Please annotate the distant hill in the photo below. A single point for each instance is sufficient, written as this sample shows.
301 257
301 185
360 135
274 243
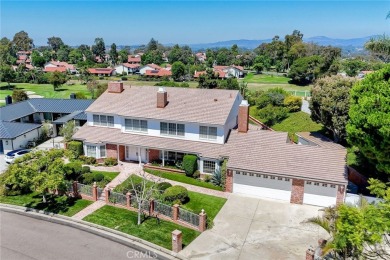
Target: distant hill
252 44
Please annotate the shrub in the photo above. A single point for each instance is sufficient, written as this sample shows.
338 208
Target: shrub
123 78
207 178
110 161
190 164
80 95
196 175
223 174
76 148
87 178
87 160
162 186
176 194
271 115
74 170
216 178
293 103
98 177
85 169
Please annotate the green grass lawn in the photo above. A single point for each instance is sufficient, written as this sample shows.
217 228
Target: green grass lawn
107 175
124 186
265 79
57 204
184 179
198 201
45 90
126 221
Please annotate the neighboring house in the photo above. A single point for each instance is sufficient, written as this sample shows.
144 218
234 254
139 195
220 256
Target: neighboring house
134 59
201 56
158 73
23 57
364 73
61 66
224 72
21 122
104 72
127 68
152 66
125 123
221 74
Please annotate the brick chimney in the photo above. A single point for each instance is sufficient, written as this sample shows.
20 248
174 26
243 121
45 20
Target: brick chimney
243 116
115 87
162 97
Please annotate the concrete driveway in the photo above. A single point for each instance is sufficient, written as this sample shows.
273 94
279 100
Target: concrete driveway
252 228
3 164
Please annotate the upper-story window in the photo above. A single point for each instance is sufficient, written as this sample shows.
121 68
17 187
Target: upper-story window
103 120
172 129
208 132
136 125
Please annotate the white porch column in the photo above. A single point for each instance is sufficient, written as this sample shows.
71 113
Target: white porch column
163 157
139 156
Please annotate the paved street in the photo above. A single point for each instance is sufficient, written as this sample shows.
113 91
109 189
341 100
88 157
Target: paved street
25 238
253 228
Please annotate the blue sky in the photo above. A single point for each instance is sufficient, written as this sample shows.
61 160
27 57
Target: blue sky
135 22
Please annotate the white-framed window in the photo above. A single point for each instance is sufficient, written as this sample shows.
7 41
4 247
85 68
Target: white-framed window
308 182
209 166
258 175
208 132
316 184
136 125
324 185
251 174
287 179
333 186
265 176
103 120
280 178
172 129
244 173
272 177
238 173
96 151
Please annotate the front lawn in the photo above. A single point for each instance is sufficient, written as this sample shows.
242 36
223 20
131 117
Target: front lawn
126 221
56 204
264 78
198 201
184 179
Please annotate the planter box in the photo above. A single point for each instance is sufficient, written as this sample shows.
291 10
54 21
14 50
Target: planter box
163 169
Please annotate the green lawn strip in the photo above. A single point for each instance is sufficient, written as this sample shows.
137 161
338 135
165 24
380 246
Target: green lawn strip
126 221
298 122
46 90
184 179
58 204
107 175
264 78
198 201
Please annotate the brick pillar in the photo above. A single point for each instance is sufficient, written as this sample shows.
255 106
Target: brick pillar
175 212
128 200
177 241
310 254
107 193
151 207
297 191
202 221
75 191
94 192
340 194
229 181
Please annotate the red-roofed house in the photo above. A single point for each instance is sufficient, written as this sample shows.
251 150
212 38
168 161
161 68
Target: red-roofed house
231 71
53 69
201 56
127 68
158 73
102 71
134 59
221 74
61 64
152 66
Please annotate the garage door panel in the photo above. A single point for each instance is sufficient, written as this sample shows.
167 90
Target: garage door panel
262 192
263 182
320 190
318 200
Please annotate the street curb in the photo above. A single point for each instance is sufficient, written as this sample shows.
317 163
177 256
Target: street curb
108 233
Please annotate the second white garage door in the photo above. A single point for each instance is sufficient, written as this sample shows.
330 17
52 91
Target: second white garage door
319 194
261 185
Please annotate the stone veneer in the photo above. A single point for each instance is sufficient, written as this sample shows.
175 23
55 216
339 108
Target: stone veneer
297 190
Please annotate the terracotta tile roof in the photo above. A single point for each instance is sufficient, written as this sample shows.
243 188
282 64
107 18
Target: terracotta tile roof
266 152
220 67
238 67
100 70
320 140
52 69
208 106
22 57
29 66
158 73
95 134
134 59
198 73
221 74
154 66
131 66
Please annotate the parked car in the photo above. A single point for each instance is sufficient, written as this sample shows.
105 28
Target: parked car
11 156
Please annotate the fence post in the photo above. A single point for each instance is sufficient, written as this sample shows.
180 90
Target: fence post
151 207
128 200
107 193
177 241
75 191
202 221
175 212
94 192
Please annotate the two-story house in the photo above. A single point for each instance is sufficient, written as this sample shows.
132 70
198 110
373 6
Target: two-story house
144 124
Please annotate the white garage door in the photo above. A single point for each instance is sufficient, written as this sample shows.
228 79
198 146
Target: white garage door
319 194
261 185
